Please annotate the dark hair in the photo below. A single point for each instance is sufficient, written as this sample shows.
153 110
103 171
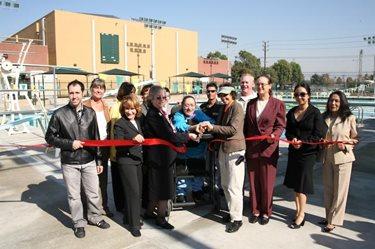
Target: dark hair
211 84
187 97
126 88
232 93
304 85
97 82
76 82
344 110
145 88
270 82
167 89
131 101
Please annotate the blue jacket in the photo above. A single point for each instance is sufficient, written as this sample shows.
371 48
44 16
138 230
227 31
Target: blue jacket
180 121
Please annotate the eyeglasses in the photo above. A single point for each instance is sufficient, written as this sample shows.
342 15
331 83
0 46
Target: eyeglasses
161 97
211 91
262 84
303 94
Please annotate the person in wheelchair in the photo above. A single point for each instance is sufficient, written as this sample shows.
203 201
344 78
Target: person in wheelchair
193 162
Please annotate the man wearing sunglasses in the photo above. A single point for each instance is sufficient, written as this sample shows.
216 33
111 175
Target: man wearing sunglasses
212 107
247 92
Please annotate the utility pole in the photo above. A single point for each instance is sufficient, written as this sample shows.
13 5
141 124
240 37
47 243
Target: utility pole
360 63
371 41
229 40
265 49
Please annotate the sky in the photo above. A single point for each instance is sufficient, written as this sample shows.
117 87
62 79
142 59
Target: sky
321 35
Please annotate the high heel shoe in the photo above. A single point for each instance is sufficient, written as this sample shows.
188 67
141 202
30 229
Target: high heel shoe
294 225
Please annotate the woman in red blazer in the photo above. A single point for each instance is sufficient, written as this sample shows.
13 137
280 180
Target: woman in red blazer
265 115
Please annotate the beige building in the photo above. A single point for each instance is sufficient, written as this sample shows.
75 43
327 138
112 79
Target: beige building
96 43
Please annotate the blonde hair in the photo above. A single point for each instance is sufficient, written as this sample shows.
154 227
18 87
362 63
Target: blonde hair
130 101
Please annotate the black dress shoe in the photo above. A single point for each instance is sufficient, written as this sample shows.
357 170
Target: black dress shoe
101 224
180 199
79 232
327 229
264 220
135 232
164 225
233 226
254 219
226 218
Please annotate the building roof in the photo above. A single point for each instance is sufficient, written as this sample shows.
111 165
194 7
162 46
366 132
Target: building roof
102 15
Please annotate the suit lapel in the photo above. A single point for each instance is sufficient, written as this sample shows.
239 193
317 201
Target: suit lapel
265 111
131 126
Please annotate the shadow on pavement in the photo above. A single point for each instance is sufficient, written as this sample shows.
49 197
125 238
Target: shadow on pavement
47 196
335 240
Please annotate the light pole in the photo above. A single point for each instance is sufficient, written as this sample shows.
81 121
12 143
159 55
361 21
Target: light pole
371 41
138 48
153 25
228 40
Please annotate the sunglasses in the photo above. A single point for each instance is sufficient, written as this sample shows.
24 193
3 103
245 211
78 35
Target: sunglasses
296 95
211 91
162 98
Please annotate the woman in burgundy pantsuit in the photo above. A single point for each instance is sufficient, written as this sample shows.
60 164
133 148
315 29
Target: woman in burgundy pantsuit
265 115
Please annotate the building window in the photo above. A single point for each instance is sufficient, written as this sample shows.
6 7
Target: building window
109 48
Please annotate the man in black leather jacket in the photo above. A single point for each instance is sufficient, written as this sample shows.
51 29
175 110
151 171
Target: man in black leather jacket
69 126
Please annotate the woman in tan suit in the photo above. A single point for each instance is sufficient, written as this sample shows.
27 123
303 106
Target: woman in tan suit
338 159
101 109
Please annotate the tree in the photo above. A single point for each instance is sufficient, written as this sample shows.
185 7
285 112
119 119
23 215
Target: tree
316 79
245 62
283 72
271 72
339 80
326 80
297 75
216 55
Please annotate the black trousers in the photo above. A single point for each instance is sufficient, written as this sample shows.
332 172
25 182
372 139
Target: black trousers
118 193
103 182
131 176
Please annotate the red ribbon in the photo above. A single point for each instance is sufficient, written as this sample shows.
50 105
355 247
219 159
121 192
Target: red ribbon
264 137
109 143
179 149
147 142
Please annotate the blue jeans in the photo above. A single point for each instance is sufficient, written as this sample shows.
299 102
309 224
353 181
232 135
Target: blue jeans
185 185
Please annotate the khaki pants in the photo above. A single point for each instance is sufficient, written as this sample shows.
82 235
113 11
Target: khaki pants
336 180
232 179
75 177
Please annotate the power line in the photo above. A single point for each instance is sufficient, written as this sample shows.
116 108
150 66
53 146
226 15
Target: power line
322 39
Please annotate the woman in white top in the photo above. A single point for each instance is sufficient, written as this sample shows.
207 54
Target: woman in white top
101 109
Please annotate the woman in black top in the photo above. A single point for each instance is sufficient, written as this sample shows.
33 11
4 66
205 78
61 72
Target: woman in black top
129 161
304 124
160 158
